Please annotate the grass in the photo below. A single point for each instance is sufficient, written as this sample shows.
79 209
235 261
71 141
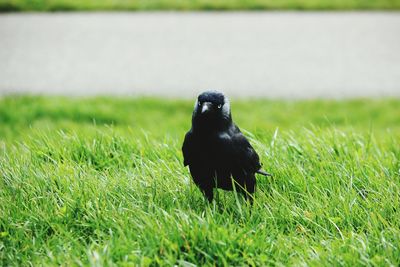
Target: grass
100 181
144 5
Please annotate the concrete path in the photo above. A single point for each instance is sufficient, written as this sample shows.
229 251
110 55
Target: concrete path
260 54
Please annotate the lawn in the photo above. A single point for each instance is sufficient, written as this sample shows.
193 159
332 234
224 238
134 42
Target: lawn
100 181
70 5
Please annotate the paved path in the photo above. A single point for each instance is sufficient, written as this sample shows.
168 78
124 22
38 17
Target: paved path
268 54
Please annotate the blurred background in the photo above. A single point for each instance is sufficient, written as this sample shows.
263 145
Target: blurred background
260 48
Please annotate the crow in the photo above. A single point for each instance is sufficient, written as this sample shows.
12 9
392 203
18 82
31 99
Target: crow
218 154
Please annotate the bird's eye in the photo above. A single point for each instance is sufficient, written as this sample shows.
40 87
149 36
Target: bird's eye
219 106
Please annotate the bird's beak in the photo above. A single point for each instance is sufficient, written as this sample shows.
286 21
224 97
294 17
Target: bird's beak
206 107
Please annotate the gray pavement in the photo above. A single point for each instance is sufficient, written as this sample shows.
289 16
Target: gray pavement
260 54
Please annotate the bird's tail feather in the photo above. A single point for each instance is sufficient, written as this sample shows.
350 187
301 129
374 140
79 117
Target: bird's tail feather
260 171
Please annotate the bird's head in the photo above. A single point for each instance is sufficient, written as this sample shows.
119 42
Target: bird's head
212 111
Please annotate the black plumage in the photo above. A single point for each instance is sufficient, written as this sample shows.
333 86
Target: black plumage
218 154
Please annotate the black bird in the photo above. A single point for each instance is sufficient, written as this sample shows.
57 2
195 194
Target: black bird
218 154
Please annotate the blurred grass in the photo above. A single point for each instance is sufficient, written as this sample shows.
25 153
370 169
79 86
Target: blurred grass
100 181
21 115
143 5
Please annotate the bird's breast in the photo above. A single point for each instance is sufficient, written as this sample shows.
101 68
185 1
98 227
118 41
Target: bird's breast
212 154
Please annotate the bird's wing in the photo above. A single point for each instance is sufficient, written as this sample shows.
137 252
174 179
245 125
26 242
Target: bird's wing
245 154
187 148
